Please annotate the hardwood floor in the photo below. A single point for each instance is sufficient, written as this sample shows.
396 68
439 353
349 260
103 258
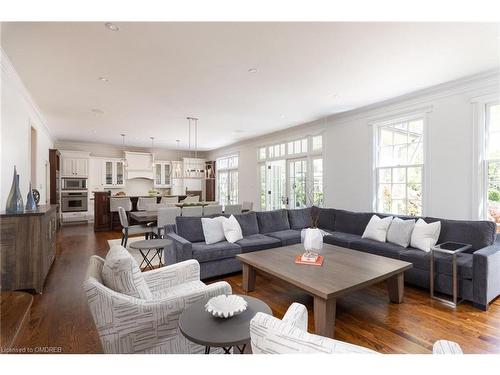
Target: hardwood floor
60 316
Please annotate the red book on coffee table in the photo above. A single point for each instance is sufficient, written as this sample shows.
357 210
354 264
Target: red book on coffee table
318 262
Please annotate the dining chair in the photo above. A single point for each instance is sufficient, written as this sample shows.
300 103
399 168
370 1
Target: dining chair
247 206
192 211
142 203
212 210
114 203
169 200
127 229
192 199
232 209
166 216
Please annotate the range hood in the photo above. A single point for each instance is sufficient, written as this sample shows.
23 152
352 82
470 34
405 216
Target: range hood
139 165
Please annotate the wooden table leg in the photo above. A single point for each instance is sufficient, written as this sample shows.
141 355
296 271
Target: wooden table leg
324 316
396 287
248 277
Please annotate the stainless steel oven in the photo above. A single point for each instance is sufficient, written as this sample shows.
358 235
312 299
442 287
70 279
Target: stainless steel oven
74 184
74 201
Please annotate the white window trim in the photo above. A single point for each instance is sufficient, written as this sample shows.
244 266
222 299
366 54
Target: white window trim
408 116
479 162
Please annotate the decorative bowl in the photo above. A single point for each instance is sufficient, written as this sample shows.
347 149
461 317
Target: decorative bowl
226 306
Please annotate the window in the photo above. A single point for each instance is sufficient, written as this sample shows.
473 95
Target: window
227 180
492 120
399 167
289 175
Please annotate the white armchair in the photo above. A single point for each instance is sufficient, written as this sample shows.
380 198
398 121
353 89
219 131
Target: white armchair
131 325
270 335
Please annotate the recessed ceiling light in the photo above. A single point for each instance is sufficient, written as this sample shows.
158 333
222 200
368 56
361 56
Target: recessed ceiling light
97 111
252 70
111 26
104 79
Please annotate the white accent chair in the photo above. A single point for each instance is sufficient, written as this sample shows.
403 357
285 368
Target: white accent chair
128 230
191 199
232 209
270 335
128 324
247 206
192 211
166 216
212 210
143 202
173 200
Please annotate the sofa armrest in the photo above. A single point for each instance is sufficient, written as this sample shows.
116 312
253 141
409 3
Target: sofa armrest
175 274
486 275
446 347
183 248
296 315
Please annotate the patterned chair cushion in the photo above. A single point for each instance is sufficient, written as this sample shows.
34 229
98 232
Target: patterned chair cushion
121 273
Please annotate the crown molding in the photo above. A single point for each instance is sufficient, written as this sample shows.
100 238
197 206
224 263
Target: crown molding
11 74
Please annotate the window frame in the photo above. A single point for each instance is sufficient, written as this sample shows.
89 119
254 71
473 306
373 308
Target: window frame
381 123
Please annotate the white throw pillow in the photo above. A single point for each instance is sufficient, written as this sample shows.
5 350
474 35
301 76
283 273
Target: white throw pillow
400 231
121 273
376 229
232 229
425 235
212 229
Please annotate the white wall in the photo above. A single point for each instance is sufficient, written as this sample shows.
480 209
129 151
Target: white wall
18 114
348 148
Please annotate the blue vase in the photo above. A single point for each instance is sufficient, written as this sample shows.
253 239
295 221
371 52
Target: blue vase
30 201
15 200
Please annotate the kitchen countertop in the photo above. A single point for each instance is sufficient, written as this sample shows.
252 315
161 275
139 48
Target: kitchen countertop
41 210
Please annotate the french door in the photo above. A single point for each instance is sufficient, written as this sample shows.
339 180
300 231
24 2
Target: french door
228 187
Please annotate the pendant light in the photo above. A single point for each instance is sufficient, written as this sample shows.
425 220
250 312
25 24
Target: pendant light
124 160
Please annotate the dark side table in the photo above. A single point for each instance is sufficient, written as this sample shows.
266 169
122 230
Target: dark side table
203 328
146 246
447 249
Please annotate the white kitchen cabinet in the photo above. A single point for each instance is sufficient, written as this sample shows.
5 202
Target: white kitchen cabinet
74 167
162 173
113 173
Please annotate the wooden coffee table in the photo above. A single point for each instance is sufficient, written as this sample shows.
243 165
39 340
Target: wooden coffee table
343 271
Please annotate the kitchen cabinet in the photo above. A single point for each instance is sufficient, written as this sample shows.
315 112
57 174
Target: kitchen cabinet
74 167
162 174
113 173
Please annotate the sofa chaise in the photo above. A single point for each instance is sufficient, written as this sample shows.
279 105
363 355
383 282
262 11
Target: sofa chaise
478 268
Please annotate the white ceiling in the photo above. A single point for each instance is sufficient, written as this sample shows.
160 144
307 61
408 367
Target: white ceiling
159 73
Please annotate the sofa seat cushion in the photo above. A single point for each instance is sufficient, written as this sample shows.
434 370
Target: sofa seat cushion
442 262
287 237
180 290
257 242
220 250
300 218
384 249
272 221
340 239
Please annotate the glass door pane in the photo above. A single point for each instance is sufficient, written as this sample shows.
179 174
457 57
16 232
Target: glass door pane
109 172
233 187
297 174
276 185
119 173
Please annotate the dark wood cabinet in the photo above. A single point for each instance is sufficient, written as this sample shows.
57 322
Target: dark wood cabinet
28 248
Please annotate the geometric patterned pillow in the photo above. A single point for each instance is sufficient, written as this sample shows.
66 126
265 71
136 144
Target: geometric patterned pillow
121 273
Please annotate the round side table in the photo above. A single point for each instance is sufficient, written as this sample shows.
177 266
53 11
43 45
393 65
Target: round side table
203 328
146 246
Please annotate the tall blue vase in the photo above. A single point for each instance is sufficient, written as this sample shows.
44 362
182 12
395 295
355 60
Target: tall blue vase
15 199
30 201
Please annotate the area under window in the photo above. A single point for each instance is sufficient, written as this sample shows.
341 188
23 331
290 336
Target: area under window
399 167
492 117
227 180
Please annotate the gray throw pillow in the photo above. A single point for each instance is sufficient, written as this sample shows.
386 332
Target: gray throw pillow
400 231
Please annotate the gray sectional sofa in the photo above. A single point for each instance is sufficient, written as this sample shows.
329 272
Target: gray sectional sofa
478 268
